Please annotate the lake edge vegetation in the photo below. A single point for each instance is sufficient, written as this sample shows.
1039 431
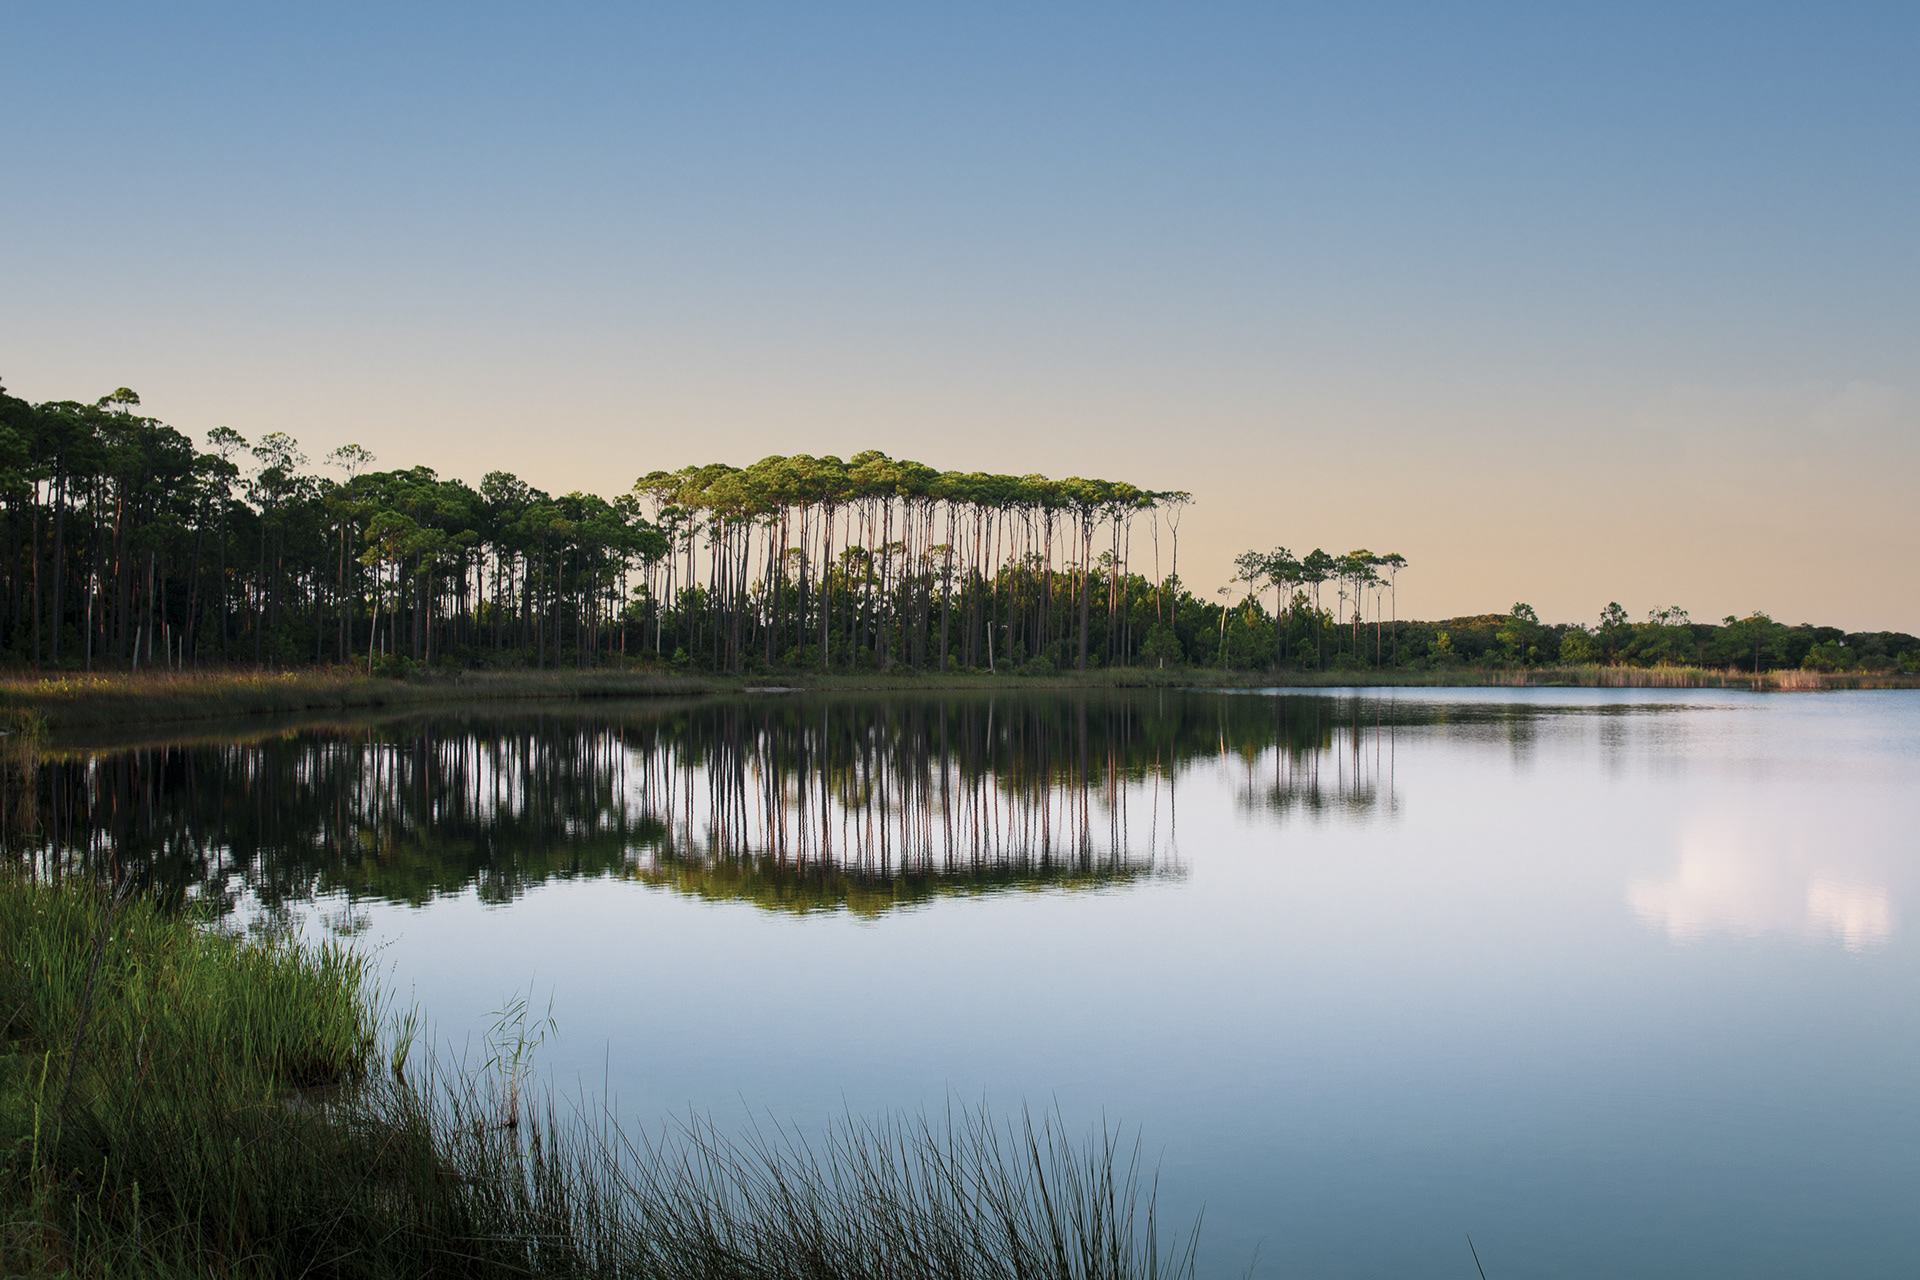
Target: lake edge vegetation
128 702
178 1101
128 549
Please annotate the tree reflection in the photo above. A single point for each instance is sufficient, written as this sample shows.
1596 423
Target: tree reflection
794 804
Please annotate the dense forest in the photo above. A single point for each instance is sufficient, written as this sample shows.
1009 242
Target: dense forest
128 547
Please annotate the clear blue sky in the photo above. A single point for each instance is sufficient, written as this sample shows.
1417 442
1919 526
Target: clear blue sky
1567 304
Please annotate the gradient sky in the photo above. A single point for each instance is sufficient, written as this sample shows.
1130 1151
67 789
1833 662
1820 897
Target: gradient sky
1566 304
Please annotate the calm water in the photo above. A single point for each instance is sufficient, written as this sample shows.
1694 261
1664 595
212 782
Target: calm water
1618 982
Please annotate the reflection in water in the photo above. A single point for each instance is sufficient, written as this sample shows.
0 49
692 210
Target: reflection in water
1347 770
1753 879
791 803
803 805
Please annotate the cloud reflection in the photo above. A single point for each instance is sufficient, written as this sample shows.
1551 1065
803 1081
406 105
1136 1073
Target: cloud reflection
1751 880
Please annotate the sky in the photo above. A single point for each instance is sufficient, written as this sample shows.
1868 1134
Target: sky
1566 304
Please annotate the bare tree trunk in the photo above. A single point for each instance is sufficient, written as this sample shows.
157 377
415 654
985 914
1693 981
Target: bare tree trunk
259 600
37 650
59 556
1086 583
946 592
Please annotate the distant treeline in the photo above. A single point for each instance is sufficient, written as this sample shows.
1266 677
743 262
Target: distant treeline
128 547
1299 630
1667 637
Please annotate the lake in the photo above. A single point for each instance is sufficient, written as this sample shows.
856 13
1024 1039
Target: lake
1617 982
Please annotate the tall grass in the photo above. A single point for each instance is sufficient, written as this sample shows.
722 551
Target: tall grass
1683 677
85 701
175 1102
77 701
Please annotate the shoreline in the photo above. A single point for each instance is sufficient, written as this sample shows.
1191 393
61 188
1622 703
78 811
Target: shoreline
73 701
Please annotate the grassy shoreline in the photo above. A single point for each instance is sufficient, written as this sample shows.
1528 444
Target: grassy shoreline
90 701
179 1102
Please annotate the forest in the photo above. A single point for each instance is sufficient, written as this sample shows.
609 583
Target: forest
129 547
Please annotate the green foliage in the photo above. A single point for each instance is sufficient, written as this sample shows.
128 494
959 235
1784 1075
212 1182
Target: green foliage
145 1061
1162 646
1519 636
1577 647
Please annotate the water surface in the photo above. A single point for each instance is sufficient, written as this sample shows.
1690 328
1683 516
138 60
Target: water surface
1620 982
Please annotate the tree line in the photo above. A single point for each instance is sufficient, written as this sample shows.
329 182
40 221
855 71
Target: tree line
1367 633
128 546
1664 637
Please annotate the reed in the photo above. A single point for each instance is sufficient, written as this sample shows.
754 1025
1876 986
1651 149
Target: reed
81 701
212 1105
78 702
1686 677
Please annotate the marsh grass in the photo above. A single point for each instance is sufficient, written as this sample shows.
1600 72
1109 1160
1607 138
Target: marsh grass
69 702
81 701
1679 677
225 1117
